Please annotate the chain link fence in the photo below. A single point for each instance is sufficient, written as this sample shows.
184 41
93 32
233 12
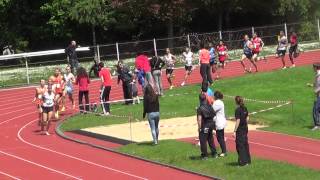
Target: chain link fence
27 70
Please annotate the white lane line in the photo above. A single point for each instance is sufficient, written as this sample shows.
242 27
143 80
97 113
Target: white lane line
72 157
39 165
281 148
10 176
11 119
22 109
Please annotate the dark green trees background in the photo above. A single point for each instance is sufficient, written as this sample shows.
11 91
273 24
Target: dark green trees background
31 25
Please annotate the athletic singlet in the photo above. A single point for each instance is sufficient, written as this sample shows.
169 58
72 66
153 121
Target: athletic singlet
58 85
48 99
256 44
212 53
169 61
246 48
222 50
293 40
282 43
40 94
68 78
188 58
204 56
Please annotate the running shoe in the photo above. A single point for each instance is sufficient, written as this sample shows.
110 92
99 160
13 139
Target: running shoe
63 109
222 155
315 128
284 68
47 133
56 115
293 65
183 83
171 87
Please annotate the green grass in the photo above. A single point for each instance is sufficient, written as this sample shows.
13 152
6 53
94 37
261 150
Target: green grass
287 84
186 156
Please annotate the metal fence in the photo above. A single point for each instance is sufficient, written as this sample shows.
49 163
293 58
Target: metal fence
31 69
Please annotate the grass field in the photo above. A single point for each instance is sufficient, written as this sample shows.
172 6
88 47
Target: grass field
186 156
287 84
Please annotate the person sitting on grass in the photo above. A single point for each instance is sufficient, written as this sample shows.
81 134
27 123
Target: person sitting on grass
151 107
205 115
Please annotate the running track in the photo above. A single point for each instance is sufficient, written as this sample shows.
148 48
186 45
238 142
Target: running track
24 154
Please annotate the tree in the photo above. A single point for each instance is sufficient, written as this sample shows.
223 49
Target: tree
89 12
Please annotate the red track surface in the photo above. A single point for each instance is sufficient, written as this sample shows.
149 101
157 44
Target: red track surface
26 154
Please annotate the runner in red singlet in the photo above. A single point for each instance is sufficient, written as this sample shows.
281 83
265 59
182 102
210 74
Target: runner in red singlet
38 98
257 47
223 56
58 86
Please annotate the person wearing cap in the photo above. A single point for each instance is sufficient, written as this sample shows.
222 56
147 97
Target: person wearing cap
316 106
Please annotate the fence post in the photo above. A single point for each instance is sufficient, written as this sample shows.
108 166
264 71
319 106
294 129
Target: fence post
285 29
118 55
155 47
98 53
220 34
189 43
318 28
27 68
252 29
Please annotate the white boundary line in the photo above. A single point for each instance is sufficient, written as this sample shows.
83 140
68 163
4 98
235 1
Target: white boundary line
39 165
72 157
21 109
301 137
277 147
11 119
13 177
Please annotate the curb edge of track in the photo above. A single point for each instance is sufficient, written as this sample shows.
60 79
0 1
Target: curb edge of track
62 135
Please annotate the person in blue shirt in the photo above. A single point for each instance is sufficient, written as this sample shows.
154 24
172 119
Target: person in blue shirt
213 62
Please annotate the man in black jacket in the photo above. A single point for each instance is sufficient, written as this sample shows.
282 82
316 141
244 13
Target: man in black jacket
72 55
205 114
125 76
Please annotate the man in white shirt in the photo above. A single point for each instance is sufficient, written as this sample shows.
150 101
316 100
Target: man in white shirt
188 58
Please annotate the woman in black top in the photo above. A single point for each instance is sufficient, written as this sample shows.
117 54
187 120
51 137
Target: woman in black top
241 132
151 107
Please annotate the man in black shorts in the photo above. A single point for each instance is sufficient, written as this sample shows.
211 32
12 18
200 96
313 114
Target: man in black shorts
282 48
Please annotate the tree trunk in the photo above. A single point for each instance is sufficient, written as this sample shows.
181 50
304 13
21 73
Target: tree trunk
170 33
228 18
94 42
220 19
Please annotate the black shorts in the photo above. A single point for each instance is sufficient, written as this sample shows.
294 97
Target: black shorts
169 71
47 109
293 49
281 52
248 55
188 68
212 61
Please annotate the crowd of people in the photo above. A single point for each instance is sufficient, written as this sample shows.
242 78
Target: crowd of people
51 96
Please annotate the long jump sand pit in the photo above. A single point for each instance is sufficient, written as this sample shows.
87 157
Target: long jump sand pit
175 128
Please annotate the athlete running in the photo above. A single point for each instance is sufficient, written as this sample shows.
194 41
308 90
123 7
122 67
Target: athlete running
223 56
38 98
293 50
58 86
258 44
68 90
247 54
47 108
213 62
282 48
169 59
188 59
